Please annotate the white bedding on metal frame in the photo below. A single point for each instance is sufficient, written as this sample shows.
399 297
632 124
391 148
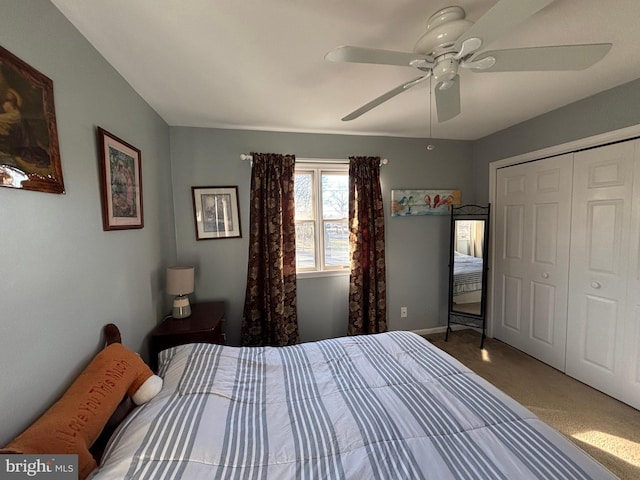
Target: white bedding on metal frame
467 278
384 406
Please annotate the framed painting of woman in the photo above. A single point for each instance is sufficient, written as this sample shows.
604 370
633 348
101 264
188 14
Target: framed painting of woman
29 149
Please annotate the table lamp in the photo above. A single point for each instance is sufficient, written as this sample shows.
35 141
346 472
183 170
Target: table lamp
180 284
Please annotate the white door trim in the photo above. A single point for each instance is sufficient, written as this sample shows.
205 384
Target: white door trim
593 141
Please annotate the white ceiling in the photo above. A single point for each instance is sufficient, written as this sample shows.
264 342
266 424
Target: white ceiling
259 64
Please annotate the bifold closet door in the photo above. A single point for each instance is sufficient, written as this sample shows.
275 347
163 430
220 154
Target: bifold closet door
533 217
603 315
631 347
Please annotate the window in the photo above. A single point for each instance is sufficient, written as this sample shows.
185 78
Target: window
322 214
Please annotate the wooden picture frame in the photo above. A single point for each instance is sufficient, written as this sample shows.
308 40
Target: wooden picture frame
29 149
216 212
120 183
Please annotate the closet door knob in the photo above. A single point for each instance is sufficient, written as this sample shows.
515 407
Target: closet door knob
595 285
545 275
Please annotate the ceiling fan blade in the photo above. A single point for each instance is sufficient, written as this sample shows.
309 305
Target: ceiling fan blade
502 17
351 54
383 98
448 100
560 57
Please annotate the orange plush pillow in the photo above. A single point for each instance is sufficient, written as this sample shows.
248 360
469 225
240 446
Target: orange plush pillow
75 421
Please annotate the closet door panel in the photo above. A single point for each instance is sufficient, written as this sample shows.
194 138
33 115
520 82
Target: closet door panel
511 310
510 243
600 332
604 244
543 312
532 251
545 234
512 219
602 204
632 347
632 337
513 232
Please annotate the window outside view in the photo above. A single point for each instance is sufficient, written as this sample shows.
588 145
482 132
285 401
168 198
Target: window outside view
322 211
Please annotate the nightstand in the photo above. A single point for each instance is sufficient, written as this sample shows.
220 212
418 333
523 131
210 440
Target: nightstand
205 325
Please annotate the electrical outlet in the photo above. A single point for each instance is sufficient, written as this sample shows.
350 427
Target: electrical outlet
403 312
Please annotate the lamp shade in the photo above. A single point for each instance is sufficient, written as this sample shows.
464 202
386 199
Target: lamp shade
180 280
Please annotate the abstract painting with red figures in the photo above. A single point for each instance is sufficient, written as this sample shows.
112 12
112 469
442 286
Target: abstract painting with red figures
406 203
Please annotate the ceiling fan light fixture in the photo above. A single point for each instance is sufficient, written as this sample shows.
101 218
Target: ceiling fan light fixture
421 64
445 70
482 64
469 46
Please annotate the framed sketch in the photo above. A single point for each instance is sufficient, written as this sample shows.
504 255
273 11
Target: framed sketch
216 212
406 203
120 183
29 150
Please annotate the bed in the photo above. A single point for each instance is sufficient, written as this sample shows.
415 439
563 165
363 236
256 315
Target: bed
385 406
467 278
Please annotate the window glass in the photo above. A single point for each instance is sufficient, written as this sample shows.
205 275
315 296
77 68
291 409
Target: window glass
305 245
322 211
335 196
303 192
336 244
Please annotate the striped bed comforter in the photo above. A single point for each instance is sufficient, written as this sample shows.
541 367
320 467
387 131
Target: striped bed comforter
386 406
467 273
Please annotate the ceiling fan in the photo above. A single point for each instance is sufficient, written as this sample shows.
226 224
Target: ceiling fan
452 42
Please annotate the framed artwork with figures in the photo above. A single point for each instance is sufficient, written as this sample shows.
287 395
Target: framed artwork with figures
120 183
29 149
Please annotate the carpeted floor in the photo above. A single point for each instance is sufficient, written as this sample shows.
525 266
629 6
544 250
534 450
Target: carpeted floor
605 428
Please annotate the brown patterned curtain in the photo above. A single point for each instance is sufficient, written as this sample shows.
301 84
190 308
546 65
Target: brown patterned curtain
368 286
270 314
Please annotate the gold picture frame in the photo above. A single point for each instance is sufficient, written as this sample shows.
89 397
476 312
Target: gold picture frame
29 149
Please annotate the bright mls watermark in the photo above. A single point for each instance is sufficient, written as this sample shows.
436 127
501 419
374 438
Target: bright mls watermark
51 467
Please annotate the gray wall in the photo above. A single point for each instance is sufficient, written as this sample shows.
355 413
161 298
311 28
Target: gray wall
607 111
61 277
417 247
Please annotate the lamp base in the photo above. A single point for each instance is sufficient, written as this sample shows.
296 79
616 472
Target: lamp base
181 307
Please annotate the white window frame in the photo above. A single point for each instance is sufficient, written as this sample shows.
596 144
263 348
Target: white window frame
318 167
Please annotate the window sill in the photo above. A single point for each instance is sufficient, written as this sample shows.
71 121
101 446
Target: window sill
324 273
